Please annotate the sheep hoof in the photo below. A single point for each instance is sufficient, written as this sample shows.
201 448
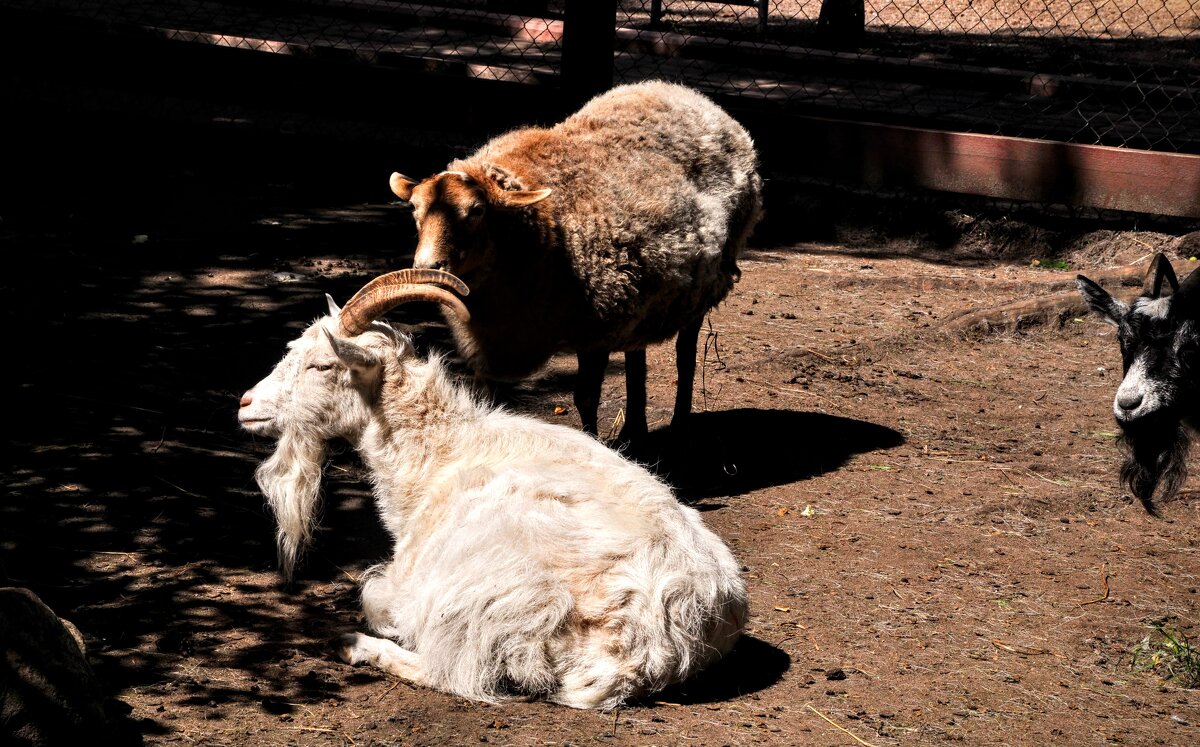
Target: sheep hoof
632 438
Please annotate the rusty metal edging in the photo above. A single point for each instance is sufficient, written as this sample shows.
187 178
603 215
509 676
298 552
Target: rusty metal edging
889 156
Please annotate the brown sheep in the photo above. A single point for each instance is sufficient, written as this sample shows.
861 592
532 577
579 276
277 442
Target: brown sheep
613 230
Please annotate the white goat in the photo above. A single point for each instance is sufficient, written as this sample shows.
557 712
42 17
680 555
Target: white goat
529 560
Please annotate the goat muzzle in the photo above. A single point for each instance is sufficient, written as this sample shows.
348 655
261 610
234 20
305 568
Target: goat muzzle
388 291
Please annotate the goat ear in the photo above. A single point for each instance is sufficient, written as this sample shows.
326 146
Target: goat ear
1159 270
1186 301
520 198
354 356
401 185
1100 300
334 309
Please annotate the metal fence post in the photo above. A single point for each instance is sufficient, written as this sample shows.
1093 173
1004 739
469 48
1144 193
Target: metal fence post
589 36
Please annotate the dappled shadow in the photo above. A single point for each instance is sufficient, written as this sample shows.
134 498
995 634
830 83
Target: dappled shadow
130 505
732 452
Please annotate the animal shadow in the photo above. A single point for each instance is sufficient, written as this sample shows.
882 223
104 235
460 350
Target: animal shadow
733 452
751 666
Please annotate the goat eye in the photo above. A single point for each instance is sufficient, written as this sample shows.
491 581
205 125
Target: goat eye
475 211
320 366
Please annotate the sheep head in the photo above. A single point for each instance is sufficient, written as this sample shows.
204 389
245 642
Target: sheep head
326 387
451 211
1159 335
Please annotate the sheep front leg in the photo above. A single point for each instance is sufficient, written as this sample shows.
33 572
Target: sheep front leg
635 428
685 365
587 386
357 648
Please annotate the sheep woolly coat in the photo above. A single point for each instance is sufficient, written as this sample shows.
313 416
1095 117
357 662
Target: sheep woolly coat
655 192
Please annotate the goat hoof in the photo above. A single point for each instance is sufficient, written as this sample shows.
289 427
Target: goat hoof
347 648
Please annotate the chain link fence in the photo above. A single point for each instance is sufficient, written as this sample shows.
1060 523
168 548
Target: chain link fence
486 39
1111 72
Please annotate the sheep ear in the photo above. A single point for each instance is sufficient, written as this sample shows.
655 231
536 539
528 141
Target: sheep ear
401 185
1159 270
354 356
334 309
520 198
1112 310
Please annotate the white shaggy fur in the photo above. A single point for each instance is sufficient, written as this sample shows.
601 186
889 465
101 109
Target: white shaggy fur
529 560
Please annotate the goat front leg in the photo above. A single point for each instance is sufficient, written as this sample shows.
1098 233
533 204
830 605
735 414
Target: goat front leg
685 365
587 386
358 648
635 428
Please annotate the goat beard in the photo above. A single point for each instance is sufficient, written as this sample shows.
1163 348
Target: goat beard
1155 458
291 481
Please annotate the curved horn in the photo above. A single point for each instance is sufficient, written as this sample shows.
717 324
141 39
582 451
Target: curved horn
1160 269
413 276
369 305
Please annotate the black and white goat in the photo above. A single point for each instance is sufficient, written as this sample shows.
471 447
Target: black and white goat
1156 406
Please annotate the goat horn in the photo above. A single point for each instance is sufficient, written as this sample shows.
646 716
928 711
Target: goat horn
1160 269
412 276
370 304
1184 300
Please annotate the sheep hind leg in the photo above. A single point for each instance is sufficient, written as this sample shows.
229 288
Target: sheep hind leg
357 648
635 428
587 386
685 365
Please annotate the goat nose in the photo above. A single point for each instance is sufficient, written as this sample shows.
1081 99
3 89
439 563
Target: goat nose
247 399
1129 400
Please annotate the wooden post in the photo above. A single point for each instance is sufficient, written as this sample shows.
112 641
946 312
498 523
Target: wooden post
589 36
842 23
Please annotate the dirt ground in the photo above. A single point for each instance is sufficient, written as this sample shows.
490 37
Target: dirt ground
936 545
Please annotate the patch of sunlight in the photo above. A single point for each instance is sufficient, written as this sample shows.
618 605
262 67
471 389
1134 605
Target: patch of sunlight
28 482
